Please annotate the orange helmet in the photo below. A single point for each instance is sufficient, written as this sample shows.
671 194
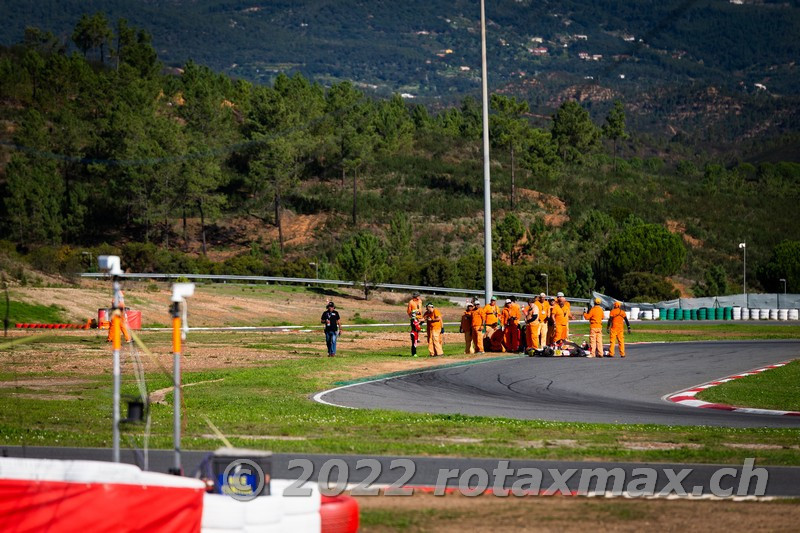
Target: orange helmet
617 305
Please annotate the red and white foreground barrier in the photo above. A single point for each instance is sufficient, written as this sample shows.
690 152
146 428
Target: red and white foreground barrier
69 496
687 397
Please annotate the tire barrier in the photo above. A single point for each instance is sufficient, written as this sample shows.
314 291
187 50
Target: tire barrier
339 514
276 512
719 314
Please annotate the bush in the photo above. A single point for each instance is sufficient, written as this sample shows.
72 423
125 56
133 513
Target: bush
640 247
646 287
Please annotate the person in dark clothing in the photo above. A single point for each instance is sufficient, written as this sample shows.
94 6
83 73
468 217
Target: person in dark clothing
333 327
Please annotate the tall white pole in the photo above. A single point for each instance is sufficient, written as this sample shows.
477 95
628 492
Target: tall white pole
116 372
744 275
743 247
487 192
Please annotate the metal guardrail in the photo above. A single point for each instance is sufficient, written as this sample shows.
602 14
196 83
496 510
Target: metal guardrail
340 283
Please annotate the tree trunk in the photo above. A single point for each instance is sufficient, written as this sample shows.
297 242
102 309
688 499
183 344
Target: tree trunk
278 217
615 155
147 221
185 237
202 224
513 179
355 191
166 232
342 176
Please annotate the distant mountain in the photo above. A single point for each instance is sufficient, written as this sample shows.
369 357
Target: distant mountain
709 71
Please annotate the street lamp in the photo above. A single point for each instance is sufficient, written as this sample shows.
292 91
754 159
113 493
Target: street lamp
546 283
743 247
784 292
91 259
316 270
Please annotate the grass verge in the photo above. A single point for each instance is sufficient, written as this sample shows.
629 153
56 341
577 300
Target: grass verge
778 388
59 394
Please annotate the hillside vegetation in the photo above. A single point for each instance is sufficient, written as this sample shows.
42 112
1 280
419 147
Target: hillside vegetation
197 172
718 74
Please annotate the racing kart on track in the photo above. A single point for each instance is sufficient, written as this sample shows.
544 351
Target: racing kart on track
563 349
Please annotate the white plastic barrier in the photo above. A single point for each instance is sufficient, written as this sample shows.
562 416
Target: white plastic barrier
763 314
646 315
783 314
273 513
773 314
634 313
794 314
745 313
737 313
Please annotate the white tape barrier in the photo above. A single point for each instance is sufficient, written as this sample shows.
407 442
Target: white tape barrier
273 513
89 472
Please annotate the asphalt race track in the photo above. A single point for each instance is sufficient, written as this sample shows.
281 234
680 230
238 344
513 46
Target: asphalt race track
627 391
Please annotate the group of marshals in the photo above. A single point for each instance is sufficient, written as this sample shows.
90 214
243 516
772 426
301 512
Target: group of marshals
509 328
616 318
541 323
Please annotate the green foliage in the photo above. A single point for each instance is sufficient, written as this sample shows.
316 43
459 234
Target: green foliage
122 152
439 272
92 32
645 287
574 132
641 247
363 260
34 313
784 263
715 283
614 128
507 234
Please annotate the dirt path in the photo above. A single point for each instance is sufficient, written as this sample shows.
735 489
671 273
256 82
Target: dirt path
218 304
428 513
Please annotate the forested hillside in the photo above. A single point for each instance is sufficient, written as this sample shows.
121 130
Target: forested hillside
712 73
193 171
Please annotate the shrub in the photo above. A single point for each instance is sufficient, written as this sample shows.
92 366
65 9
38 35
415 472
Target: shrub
646 287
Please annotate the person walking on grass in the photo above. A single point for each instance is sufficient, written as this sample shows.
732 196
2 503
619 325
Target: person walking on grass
433 321
333 327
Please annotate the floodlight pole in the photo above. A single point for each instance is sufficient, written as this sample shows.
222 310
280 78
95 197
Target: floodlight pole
487 192
743 246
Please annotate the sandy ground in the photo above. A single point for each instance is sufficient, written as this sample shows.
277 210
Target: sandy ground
228 304
208 351
425 512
